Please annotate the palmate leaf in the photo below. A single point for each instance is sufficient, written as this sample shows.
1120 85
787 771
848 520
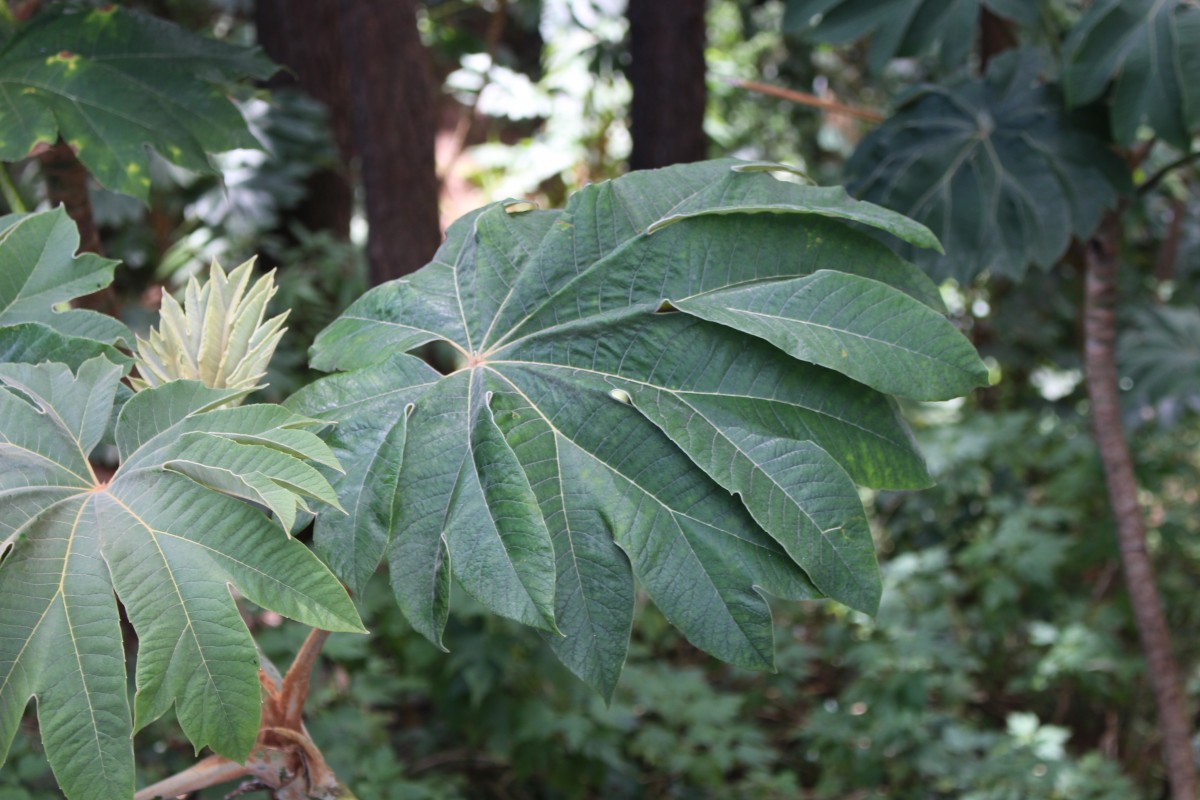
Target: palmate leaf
41 271
110 82
620 410
1160 352
1147 50
168 538
900 28
994 167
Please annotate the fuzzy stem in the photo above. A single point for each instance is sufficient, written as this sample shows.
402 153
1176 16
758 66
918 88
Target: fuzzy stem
201 775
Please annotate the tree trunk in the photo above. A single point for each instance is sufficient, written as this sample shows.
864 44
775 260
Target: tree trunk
666 42
1100 362
392 107
995 36
304 36
67 184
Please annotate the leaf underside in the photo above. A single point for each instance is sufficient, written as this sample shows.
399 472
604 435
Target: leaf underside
994 167
110 82
679 378
168 547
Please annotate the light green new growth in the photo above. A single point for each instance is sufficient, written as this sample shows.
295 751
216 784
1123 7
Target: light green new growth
217 337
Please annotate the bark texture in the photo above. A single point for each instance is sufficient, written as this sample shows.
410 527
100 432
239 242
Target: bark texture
304 37
666 41
67 184
1100 361
392 109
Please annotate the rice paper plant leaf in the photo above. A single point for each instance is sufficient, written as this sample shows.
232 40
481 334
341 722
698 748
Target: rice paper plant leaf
595 427
169 545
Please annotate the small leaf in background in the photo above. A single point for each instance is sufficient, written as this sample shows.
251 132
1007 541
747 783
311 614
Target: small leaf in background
995 167
1160 352
166 537
901 28
606 416
1149 51
131 81
41 272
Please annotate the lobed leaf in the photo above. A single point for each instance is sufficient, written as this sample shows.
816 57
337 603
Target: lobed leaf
994 166
1146 50
597 426
111 81
900 28
168 546
42 272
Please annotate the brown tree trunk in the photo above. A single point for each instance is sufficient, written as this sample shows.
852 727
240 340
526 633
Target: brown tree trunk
392 107
304 36
67 184
995 36
666 42
1100 362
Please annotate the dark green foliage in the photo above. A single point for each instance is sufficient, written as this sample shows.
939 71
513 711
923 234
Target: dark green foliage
1148 50
614 409
901 28
111 82
994 167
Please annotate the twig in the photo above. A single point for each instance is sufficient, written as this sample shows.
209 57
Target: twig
1148 184
466 121
1100 334
1168 254
16 203
209 772
808 100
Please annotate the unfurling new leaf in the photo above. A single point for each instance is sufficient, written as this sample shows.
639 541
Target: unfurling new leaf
218 336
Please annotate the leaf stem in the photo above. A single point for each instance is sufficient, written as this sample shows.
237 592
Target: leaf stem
209 772
9 189
294 691
1148 184
806 99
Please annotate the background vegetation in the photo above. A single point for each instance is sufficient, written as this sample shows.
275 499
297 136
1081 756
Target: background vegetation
1004 662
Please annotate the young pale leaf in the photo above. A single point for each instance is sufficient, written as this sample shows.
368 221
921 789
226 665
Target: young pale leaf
218 336
901 28
166 544
994 167
598 427
1144 48
41 272
111 81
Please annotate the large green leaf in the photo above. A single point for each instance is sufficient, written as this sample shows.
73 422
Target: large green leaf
994 167
1147 50
900 28
166 537
597 425
110 82
41 272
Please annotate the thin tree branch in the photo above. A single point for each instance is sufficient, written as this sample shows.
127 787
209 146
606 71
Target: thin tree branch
806 99
1100 335
1148 184
466 119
